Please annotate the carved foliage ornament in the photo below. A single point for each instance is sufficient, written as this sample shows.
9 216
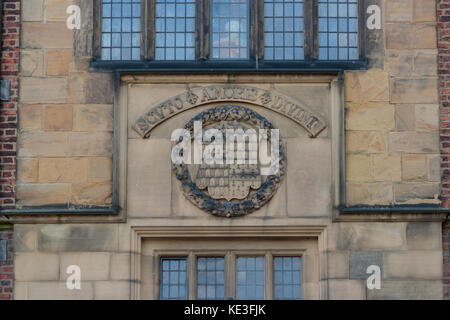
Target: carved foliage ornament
229 190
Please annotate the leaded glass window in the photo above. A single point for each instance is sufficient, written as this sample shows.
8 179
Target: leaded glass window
121 30
175 30
211 278
229 29
287 278
338 30
283 30
174 282
250 278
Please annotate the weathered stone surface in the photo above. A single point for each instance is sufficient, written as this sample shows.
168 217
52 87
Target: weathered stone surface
359 261
366 236
414 142
424 11
91 194
346 290
32 63
359 168
427 117
25 238
424 36
77 238
100 169
112 290
370 116
55 10
27 170
369 193
398 36
93 265
120 266
36 266
90 144
37 144
414 167
57 290
398 10
30 117
371 85
423 236
434 168
407 290
32 10
405 117
413 193
99 88
57 62
413 265
63 169
46 35
366 142
400 63
387 167
58 118
94 117
414 90
338 264
42 194
425 64
43 90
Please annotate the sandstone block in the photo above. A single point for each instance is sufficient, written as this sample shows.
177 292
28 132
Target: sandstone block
57 62
43 90
32 63
359 168
93 265
25 238
55 10
346 290
42 194
57 290
414 142
42 144
91 193
36 266
30 117
338 265
27 170
112 290
387 167
427 117
399 36
370 116
413 265
414 167
369 194
361 260
54 35
400 63
423 236
120 266
407 290
90 144
398 10
58 118
371 85
405 117
425 64
424 11
414 90
366 142
424 37
100 169
417 193
94 117
434 168
32 10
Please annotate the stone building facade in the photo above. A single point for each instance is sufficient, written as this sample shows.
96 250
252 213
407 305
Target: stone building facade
362 178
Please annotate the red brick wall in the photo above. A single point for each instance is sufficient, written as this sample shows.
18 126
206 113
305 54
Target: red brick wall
9 70
6 267
443 16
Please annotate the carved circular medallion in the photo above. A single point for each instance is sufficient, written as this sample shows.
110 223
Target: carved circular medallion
231 190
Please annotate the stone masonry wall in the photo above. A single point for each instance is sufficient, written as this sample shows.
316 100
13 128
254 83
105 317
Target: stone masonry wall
9 70
65 115
392 113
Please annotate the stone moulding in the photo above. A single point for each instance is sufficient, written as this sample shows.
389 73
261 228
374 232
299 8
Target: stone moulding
198 96
253 200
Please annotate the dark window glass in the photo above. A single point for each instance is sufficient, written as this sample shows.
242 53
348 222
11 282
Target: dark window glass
211 278
121 30
287 278
173 279
338 30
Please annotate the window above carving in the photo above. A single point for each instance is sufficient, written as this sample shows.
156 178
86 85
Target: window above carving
229 34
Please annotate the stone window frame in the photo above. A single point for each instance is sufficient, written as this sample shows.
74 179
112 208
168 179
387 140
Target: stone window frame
256 43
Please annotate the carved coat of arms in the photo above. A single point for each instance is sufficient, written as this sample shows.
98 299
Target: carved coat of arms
237 187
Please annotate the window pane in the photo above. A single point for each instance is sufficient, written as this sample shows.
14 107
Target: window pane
173 279
229 29
250 278
210 278
283 30
175 30
121 30
287 278
338 31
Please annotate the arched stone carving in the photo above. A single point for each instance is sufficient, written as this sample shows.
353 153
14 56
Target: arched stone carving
199 96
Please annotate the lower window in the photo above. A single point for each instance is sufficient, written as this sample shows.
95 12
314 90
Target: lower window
230 275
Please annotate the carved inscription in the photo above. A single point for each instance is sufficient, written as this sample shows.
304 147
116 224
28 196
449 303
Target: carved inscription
195 97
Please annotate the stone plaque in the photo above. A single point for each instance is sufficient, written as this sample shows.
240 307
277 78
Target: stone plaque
239 187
